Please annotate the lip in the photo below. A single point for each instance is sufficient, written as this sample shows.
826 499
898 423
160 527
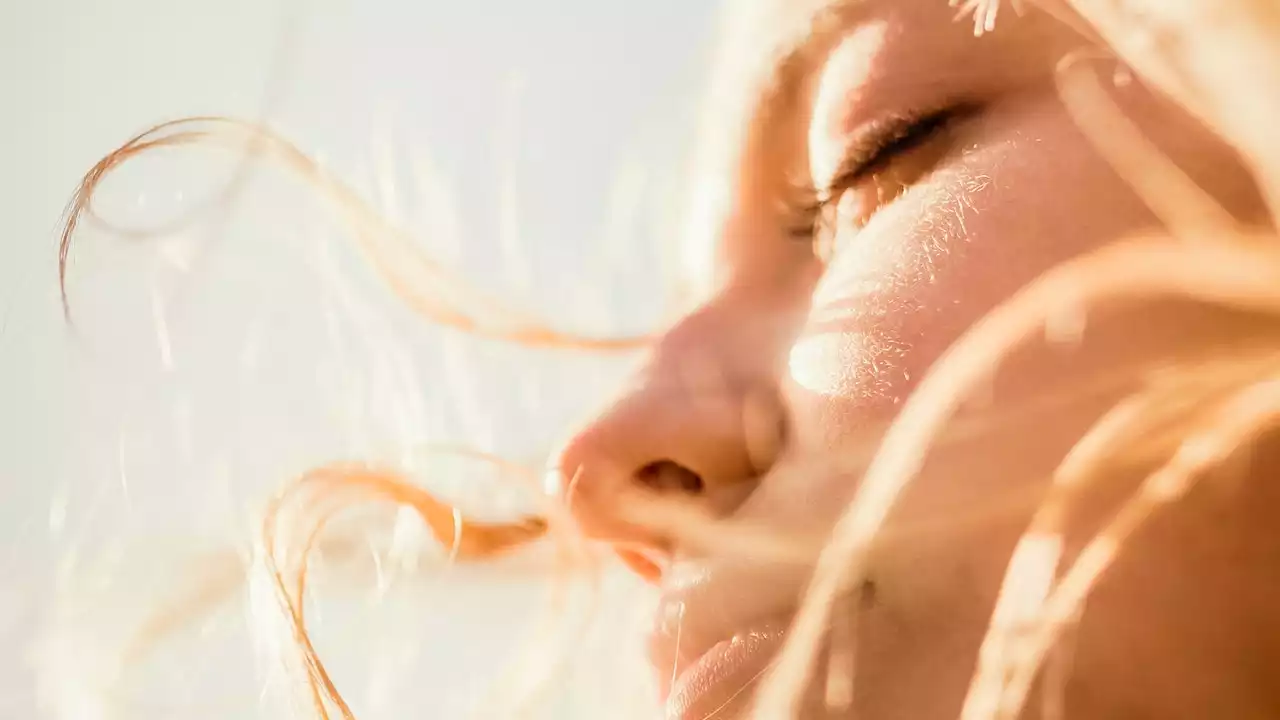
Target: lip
713 635
721 678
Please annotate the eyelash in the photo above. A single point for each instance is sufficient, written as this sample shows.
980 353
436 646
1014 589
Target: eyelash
879 146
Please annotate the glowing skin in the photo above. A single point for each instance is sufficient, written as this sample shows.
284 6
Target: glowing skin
792 366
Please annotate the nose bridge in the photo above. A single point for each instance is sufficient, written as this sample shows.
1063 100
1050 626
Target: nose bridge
705 402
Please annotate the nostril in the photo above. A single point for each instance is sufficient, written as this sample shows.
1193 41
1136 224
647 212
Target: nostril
667 475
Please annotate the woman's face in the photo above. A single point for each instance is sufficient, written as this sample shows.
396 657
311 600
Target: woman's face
955 175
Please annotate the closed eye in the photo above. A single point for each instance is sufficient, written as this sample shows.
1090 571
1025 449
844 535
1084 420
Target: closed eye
865 168
877 146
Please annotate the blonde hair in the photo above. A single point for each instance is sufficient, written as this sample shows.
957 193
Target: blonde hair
1210 56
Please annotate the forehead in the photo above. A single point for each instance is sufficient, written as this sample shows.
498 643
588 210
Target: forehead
790 24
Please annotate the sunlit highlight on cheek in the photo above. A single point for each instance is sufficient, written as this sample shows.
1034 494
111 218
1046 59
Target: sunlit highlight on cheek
823 363
825 358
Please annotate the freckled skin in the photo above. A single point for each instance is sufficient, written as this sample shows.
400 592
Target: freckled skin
1184 626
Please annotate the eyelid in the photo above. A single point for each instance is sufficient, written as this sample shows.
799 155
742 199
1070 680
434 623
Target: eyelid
881 139
873 145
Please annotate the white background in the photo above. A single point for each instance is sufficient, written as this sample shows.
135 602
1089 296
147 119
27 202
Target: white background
537 147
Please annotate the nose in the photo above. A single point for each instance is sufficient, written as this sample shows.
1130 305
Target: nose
701 421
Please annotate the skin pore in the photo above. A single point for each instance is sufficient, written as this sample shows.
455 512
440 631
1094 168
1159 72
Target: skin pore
951 174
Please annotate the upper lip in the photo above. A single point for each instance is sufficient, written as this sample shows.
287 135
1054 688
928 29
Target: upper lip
704 603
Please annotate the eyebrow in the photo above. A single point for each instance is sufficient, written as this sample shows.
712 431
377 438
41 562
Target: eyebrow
803 33
768 51
793 38
775 49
